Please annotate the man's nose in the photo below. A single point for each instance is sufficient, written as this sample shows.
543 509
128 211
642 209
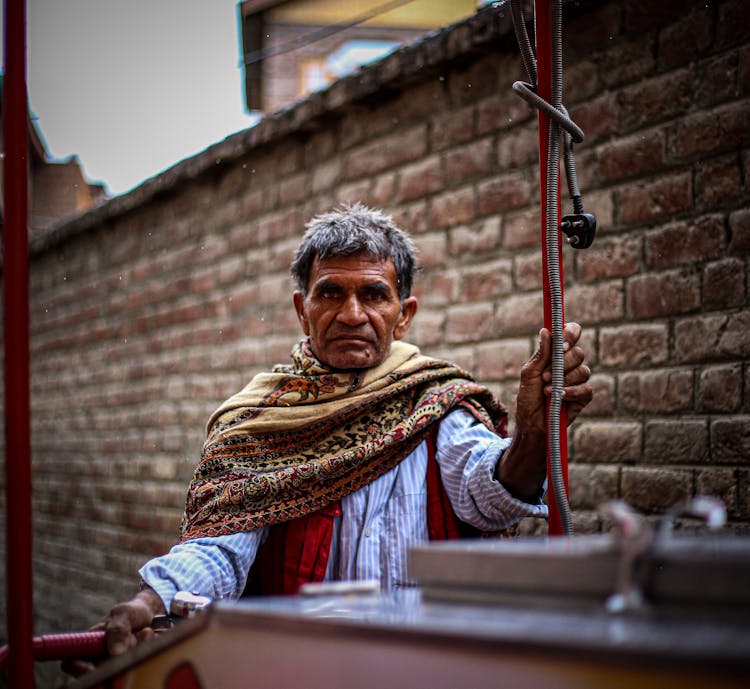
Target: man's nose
351 312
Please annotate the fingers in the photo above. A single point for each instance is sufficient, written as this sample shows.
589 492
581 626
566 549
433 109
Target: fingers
540 359
124 621
76 668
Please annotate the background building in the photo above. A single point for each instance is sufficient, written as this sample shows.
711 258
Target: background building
57 188
294 47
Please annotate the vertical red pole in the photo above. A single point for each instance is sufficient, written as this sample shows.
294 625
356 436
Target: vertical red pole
543 32
16 325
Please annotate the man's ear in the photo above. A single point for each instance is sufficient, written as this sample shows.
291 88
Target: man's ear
299 307
408 310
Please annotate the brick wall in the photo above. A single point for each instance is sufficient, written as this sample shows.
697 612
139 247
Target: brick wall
148 311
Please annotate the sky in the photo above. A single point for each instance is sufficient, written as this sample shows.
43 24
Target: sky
134 86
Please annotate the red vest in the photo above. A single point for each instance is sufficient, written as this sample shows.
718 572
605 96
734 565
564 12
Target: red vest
297 551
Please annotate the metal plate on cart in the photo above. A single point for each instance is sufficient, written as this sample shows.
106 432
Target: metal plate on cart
696 571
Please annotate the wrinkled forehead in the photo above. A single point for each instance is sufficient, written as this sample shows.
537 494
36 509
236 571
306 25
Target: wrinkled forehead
352 270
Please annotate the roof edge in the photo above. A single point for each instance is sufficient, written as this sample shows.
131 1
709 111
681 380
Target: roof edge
488 24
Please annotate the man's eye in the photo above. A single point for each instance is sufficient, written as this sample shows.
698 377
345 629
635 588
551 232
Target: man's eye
329 294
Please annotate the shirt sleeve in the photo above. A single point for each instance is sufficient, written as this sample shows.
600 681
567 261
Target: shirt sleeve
467 453
216 567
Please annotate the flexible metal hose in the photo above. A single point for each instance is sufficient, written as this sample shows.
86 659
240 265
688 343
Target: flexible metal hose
524 43
555 281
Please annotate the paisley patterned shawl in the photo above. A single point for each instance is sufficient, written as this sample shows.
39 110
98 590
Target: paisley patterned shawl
303 436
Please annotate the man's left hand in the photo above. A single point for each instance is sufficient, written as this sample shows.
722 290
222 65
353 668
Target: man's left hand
536 380
523 467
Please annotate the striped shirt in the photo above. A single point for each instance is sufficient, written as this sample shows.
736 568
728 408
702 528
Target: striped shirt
379 522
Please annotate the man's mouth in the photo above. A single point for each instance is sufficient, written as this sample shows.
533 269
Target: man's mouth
351 337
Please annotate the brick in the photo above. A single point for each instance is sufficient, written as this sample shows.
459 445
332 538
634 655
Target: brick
293 188
630 345
633 156
734 18
420 179
465 162
477 239
607 441
640 16
451 128
718 181
502 359
601 204
714 131
720 388
595 303
649 201
716 80
521 230
581 81
650 101
382 191
475 82
662 294
469 322
503 193
501 112
326 175
518 148
609 258
413 218
673 50
581 41
730 439
431 250
414 104
591 486
438 288
599 118
719 483
665 390
279 225
724 284
603 403
628 60
353 191
386 152
712 337
484 281
655 490
452 208
739 226
685 242
320 146
352 127
521 314
683 441
743 71
527 271
252 203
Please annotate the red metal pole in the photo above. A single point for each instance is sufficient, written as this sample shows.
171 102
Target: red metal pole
16 328
543 32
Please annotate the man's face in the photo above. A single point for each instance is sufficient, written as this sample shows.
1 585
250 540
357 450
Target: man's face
352 312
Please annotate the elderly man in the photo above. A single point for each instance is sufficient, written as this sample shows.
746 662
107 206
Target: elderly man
331 467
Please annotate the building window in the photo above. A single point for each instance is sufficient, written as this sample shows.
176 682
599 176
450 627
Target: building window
316 73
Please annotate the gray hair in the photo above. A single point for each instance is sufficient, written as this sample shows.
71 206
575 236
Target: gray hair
356 230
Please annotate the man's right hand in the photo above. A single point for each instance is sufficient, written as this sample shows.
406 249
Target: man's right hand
126 625
130 623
